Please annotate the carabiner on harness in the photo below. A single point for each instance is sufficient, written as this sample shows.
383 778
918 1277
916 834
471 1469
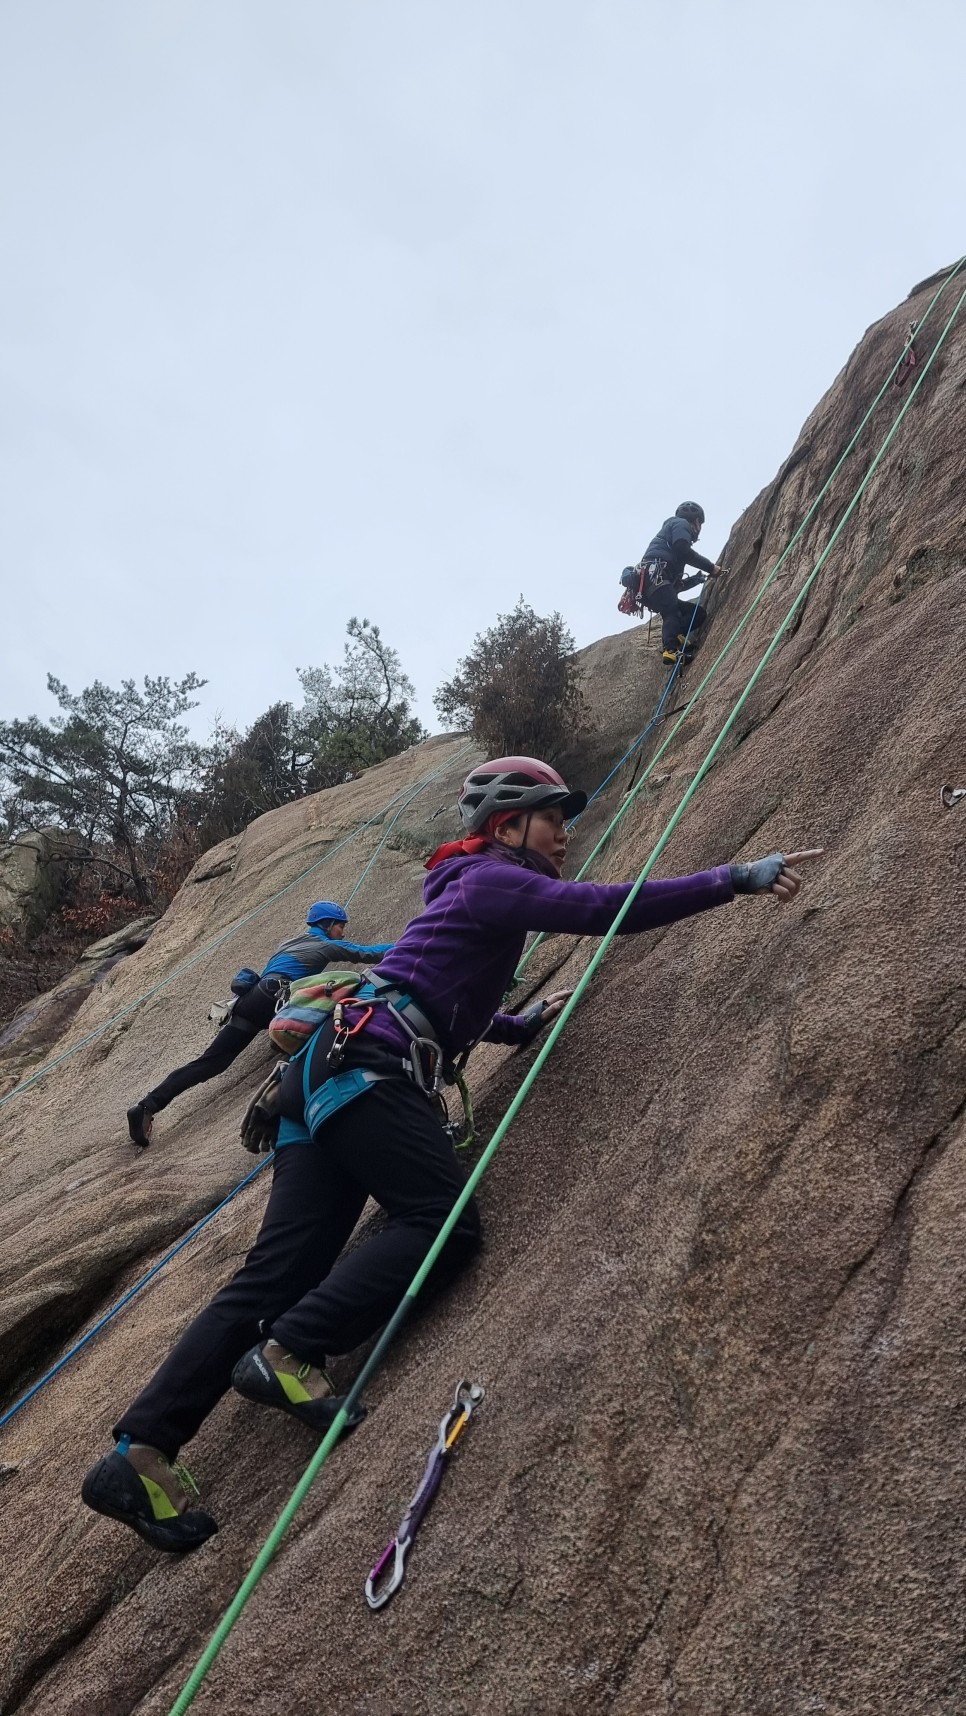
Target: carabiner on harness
379 1589
428 1071
344 1032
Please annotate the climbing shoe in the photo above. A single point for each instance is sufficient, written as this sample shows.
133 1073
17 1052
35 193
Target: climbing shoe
116 1488
139 1122
257 1380
671 656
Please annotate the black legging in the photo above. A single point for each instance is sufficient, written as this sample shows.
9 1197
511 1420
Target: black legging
675 614
252 1013
387 1144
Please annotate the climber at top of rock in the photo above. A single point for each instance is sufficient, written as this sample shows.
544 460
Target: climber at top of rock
663 566
343 1139
322 943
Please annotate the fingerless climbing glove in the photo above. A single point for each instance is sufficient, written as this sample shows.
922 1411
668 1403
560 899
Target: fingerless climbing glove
757 878
533 1022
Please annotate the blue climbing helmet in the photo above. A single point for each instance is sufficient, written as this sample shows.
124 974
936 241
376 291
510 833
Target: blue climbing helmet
326 912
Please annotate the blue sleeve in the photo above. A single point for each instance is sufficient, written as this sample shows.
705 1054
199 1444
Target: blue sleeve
356 954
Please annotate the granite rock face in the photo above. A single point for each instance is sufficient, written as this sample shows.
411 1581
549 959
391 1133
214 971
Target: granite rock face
32 873
39 1024
721 1309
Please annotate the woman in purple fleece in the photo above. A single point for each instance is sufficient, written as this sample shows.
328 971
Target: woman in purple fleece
365 1129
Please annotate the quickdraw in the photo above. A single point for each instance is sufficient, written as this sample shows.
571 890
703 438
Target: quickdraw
950 796
381 1585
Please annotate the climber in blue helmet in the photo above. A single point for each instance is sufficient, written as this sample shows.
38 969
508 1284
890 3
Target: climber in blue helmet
322 943
664 567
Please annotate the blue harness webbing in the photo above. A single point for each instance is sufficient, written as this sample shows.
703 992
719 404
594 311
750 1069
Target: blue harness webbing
333 1093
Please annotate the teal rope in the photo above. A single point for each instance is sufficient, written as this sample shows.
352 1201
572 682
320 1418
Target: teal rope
410 800
189 1691
226 935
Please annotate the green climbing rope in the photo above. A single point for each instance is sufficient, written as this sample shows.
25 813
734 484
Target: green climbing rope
749 611
198 1674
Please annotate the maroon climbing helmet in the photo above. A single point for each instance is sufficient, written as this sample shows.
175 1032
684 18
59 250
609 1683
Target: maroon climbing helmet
515 784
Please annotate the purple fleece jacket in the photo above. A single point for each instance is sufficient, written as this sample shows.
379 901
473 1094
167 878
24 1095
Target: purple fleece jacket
458 957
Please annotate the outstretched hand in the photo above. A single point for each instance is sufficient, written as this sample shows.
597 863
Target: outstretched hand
555 1003
788 882
775 874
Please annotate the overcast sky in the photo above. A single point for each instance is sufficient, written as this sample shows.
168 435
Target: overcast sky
400 309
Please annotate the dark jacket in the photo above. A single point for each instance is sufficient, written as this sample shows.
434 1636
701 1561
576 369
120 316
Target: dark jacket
674 545
457 959
313 950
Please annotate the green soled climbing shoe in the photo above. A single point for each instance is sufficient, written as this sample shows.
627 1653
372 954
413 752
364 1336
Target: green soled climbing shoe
114 1488
254 1377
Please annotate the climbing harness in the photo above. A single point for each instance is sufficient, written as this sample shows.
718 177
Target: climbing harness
637 580
269 1548
333 998
424 1063
950 796
379 1589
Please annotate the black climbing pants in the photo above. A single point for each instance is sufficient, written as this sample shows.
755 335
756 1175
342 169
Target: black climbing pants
252 1013
675 615
387 1144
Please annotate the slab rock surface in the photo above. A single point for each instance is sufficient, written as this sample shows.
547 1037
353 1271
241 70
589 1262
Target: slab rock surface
720 1314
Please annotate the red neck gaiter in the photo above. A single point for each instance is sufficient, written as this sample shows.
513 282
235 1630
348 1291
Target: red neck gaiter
453 848
472 842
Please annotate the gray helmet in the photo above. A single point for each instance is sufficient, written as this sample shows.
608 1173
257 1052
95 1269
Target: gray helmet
515 784
691 511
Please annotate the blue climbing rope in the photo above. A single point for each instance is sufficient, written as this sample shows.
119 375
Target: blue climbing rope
132 1293
655 718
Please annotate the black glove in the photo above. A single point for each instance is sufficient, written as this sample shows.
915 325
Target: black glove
758 877
259 1129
